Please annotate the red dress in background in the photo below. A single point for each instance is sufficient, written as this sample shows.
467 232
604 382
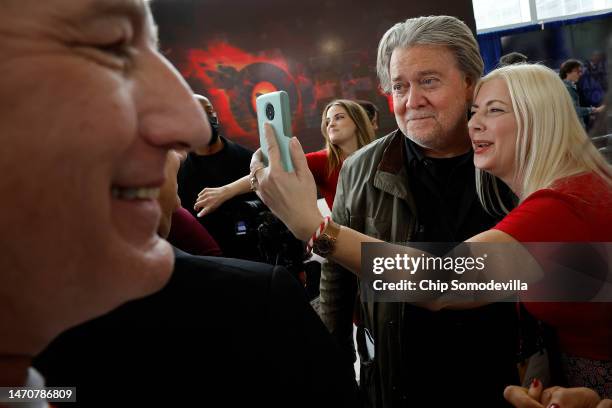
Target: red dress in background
326 181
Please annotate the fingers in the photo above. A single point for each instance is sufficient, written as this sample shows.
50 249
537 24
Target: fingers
257 160
579 397
273 150
605 404
206 204
204 192
547 395
201 201
535 389
519 397
200 205
257 170
300 165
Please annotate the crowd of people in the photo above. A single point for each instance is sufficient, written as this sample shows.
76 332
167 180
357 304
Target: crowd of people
523 131
93 296
346 127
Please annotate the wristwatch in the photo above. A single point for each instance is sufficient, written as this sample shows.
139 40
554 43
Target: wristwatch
326 243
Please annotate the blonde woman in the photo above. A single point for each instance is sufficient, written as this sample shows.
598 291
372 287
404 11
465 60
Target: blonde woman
525 132
345 127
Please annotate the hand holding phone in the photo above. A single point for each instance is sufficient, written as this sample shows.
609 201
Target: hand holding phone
273 108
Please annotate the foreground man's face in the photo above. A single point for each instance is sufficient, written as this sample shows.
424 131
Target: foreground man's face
90 109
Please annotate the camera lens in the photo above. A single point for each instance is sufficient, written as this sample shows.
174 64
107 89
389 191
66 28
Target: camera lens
270 111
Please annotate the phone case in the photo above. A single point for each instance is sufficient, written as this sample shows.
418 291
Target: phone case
280 121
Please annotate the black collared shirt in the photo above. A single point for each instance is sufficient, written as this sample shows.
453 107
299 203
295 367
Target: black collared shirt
444 191
451 349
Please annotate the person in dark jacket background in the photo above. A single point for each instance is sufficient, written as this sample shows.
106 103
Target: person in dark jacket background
227 330
570 73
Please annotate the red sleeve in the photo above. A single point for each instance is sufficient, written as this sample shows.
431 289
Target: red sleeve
550 216
545 216
317 163
187 234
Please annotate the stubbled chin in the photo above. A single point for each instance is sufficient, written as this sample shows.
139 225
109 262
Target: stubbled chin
421 124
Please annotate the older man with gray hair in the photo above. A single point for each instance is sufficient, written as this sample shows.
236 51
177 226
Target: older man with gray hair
417 184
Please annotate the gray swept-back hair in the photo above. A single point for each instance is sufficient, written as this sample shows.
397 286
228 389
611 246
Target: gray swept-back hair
445 31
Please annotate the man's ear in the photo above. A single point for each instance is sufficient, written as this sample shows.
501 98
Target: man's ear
470 86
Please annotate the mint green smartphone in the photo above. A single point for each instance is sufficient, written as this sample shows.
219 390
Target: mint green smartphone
273 108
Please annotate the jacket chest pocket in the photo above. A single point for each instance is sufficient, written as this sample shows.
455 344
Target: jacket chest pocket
385 230
377 227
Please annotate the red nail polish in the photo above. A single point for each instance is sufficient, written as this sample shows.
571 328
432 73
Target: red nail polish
554 406
535 383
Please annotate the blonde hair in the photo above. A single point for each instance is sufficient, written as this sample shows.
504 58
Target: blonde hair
551 144
364 131
446 31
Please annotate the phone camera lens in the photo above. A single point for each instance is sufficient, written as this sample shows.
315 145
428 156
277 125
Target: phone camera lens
270 111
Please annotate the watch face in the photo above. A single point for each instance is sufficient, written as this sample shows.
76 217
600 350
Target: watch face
324 245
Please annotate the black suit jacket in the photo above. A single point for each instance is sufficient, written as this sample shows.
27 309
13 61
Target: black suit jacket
234 332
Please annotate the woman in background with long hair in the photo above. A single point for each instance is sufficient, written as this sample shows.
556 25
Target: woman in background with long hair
345 127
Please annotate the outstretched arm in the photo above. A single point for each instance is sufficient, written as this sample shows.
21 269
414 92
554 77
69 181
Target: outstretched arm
292 197
211 198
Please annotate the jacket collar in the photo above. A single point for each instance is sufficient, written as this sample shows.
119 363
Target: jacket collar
391 175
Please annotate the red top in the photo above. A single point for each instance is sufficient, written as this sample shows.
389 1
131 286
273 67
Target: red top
575 209
317 162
